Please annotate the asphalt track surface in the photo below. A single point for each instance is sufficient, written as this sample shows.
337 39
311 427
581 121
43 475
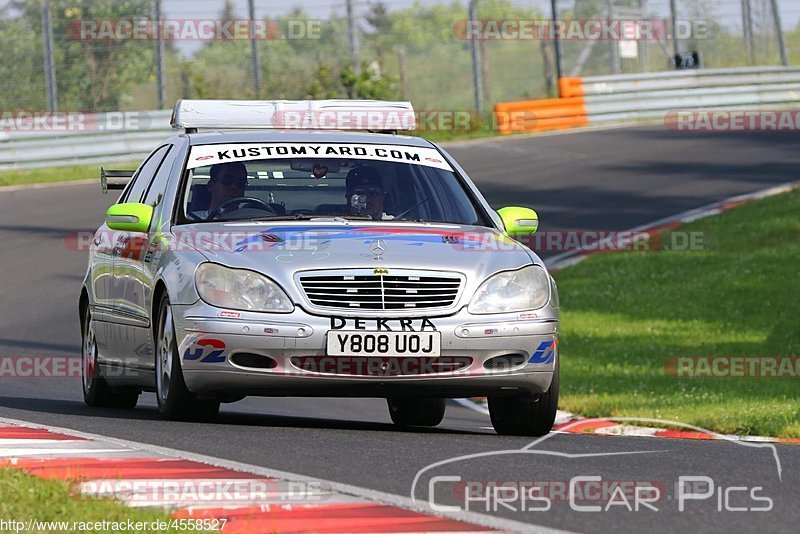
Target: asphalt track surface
612 179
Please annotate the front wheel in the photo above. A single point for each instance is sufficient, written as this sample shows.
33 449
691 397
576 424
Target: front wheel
414 411
525 415
175 401
96 391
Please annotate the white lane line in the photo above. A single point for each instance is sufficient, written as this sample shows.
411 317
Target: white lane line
329 485
45 185
27 452
472 405
9 442
755 439
627 430
561 416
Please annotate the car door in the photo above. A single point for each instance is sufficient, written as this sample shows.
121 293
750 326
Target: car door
130 339
102 301
100 266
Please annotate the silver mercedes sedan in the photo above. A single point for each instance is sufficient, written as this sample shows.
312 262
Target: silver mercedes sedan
314 262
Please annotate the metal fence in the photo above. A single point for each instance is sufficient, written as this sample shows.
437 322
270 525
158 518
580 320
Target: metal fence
420 53
653 95
727 33
104 138
633 97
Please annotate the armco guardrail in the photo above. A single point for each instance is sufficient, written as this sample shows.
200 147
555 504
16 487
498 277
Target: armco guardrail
629 97
102 137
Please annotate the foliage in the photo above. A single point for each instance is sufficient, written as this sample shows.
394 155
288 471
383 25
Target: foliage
91 74
368 83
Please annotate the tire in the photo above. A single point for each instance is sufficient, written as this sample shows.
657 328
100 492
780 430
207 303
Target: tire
524 415
96 391
175 401
414 411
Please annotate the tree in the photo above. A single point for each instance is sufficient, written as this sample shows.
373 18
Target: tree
22 83
228 11
92 74
379 24
369 82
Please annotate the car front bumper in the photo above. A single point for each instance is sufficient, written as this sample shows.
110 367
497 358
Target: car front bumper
210 340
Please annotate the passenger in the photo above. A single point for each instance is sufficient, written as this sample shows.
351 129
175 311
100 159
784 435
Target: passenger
365 184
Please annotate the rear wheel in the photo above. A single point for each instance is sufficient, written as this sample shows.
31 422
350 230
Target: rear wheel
414 411
96 391
524 415
175 401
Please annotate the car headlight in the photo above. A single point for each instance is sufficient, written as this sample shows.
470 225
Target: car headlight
512 291
554 293
240 290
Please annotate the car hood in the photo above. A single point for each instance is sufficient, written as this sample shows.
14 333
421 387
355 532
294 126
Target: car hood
282 249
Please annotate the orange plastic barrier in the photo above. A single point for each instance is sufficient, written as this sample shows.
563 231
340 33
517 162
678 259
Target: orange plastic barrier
568 111
569 87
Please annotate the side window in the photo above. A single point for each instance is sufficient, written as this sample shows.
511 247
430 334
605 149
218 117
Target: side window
159 184
145 174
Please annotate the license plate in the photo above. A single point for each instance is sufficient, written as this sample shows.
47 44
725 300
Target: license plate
360 343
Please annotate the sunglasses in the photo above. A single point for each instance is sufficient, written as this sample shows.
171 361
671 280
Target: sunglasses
372 191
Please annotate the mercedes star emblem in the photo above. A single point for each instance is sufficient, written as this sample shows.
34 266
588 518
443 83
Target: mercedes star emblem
378 247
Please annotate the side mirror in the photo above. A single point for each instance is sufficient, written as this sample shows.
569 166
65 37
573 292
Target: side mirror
519 221
129 217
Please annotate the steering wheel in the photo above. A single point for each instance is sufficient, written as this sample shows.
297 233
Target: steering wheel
240 202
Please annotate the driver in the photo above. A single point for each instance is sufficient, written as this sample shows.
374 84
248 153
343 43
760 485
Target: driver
228 181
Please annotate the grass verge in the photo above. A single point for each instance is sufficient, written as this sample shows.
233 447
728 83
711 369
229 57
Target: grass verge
625 314
59 174
26 497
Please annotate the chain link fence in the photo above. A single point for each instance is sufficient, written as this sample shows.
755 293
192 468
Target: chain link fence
83 55
726 33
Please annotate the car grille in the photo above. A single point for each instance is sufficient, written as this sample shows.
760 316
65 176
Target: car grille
401 291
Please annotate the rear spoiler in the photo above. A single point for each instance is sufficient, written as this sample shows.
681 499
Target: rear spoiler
114 179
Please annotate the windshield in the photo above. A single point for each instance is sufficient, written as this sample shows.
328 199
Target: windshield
362 182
